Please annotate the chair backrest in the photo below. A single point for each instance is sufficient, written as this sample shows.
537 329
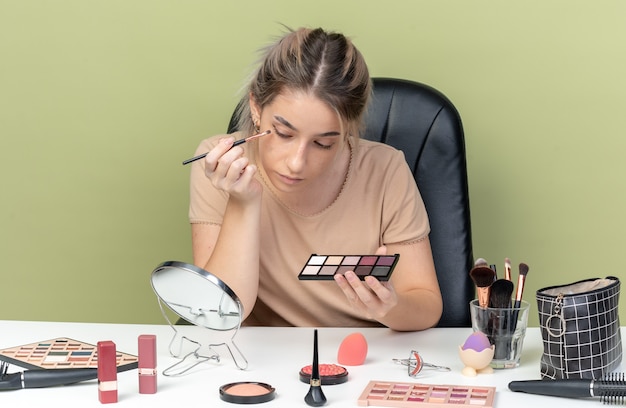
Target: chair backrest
423 123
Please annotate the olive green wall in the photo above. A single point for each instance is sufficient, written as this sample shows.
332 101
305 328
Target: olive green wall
101 100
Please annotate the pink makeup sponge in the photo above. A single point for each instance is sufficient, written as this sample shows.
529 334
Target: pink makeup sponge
352 350
476 341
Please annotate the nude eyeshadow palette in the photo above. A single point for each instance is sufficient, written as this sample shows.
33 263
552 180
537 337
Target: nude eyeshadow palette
325 267
62 352
399 394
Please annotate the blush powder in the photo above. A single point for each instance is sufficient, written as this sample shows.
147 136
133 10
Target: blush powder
247 392
330 374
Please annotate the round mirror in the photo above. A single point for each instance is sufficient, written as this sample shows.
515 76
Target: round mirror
197 296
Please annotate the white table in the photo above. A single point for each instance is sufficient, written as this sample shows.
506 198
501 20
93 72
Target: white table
275 356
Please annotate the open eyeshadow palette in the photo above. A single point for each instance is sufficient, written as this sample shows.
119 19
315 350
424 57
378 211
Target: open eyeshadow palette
397 394
62 353
324 267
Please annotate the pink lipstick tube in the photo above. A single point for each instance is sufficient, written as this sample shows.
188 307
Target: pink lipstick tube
107 372
147 364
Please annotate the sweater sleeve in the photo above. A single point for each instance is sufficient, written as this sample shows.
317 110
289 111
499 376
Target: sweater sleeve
206 203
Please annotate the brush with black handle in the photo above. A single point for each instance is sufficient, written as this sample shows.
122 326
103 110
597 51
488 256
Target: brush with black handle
521 280
39 378
611 389
500 327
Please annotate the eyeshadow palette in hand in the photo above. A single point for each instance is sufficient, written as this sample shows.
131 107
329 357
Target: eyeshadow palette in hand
325 267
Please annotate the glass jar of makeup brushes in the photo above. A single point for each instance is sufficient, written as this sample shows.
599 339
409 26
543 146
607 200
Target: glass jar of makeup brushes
505 328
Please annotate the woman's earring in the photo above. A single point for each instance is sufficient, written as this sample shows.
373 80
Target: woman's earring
257 128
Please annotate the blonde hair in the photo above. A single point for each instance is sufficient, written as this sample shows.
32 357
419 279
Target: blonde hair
325 64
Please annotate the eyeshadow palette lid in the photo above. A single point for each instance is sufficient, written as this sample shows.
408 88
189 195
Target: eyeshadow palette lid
325 267
197 296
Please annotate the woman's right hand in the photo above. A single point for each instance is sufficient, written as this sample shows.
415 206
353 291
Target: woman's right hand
229 170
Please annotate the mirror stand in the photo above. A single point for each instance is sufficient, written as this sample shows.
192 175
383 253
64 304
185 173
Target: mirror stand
212 305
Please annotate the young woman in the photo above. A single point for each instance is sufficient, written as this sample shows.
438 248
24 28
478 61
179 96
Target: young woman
259 210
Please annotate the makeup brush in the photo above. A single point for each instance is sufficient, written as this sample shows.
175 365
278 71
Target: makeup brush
481 262
483 276
500 294
315 397
39 378
521 280
611 389
500 298
507 269
236 143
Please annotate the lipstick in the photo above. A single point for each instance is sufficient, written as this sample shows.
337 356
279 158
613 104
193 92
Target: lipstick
107 372
147 364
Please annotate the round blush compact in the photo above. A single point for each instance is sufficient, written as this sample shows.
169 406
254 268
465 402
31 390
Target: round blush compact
330 374
247 392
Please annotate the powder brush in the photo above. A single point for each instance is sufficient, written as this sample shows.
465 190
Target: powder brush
483 278
500 298
611 389
500 294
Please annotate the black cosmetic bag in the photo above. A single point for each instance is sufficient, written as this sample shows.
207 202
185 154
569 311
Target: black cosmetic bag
580 329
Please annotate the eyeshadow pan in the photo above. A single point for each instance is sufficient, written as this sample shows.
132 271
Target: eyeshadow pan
385 260
311 270
325 267
363 270
380 271
328 270
317 260
334 260
368 260
351 260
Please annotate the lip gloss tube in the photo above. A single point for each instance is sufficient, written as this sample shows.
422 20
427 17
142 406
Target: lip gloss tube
147 364
107 372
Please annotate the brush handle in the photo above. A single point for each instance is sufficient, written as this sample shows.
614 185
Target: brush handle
516 305
50 378
556 388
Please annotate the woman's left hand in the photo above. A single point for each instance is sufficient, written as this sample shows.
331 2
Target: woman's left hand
371 298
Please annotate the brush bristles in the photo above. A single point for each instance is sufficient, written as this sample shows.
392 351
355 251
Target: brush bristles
481 262
612 389
482 276
500 293
523 269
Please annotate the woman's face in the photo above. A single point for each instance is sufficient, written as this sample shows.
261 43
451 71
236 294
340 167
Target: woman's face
305 141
